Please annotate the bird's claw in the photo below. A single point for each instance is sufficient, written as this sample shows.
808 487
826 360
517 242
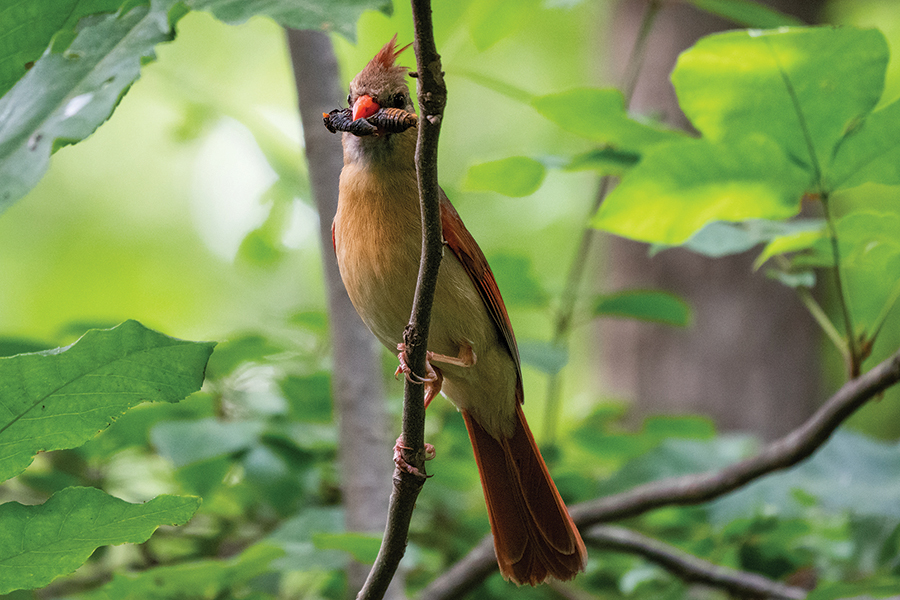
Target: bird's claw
433 377
401 463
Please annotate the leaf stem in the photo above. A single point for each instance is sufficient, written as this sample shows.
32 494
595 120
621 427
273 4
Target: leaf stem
855 357
815 309
885 311
564 314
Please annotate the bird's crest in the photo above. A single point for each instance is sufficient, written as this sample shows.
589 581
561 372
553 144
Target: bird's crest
383 63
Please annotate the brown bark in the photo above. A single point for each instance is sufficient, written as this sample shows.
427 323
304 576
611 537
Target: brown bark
751 342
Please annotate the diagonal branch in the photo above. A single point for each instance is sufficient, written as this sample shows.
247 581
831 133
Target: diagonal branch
688 567
432 98
694 489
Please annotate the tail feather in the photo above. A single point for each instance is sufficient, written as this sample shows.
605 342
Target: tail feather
534 536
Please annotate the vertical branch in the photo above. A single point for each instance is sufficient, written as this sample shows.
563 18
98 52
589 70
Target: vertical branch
357 377
432 97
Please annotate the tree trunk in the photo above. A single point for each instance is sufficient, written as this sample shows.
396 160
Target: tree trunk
364 448
750 359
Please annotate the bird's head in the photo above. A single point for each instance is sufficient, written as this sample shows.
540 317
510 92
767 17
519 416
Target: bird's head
381 84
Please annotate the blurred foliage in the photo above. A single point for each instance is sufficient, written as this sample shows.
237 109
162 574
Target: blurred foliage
189 210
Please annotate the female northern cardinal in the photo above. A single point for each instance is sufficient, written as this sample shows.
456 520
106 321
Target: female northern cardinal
377 236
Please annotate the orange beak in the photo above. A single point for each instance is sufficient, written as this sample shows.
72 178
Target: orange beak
364 107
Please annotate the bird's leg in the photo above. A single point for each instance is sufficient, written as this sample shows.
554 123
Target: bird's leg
401 463
465 358
433 377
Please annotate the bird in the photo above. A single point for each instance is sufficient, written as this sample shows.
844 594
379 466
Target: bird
472 353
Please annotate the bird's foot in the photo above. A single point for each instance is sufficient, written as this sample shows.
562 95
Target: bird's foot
401 463
433 377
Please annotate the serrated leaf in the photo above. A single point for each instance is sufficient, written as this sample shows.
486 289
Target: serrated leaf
869 152
514 176
809 85
679 188
599 115
40 543
328 15
645 305
746 13
68 94
61 398
213 578
363 548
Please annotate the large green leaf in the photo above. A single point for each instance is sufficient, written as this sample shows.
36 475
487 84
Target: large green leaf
514 176
61 398
213 578
333 15
599 115
803 87
869 152
42 542
679 188
71 91
29 25
645 305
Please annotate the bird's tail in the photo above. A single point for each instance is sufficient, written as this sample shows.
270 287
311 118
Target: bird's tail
534 536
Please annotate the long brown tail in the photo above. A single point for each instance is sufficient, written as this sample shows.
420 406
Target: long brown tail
534 536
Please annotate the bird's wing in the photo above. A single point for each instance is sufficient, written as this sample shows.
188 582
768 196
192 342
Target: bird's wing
463 245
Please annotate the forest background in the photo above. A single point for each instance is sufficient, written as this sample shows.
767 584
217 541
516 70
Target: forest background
191 212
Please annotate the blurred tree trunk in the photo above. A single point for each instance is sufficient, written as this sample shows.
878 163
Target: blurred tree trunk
364 446
750 359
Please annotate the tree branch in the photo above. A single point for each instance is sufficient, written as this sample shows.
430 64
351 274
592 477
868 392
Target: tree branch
694 489
688 567
432 98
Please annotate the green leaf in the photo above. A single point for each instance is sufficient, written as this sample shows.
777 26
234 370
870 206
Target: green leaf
544 356
599 115
882 587
679 188
214 578
69 92
516 279
514 176
645 305
328 15
791 242
746 13
869 152
680 426
295 536
61 398
231 354
721 238
492 20
29 26
802 87
186 442
41 542
363 548
606 161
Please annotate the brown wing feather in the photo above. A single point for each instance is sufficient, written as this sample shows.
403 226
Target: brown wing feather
463 245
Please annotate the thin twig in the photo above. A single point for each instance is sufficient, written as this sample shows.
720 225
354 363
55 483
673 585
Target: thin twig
432 98
694 489
688 567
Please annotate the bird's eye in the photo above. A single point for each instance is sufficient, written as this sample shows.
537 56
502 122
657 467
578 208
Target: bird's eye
348 99
398 101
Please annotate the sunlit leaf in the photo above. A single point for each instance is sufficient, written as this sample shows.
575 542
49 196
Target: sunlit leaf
61 398
329 15
803 87
363 548
213 578
791 242
514 176
42 542
746 13
599 115
645 305
679 188
870 152
71 91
